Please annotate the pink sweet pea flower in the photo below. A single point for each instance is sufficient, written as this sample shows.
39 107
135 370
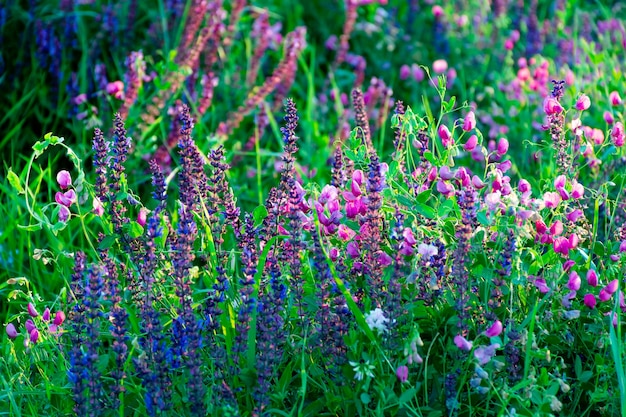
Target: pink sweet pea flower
615 99
30 325
592 278
612 286
494 330
11 331
142 216
574 281
560 182
98 208
551 199
31 310
577 190
485 353
64 214
440 66
574 215
551 106
583 102
608 117
64 179
469 122
59 318
590 300
445 188
617 134
405 72
66 199
116 89
462 343
541 285
402 373
34 336
46 315
503 146
561 245
471 143
446 137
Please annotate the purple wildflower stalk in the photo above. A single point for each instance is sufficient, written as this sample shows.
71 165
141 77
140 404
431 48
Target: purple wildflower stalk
91 343
361 119
533 35
294 43
78 326
394 291
338 176
101 163
513 354
121 146
400 137
556 120
235 14
495 300
195 17
433 274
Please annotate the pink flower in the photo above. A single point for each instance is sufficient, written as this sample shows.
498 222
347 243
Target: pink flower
333 254
604 295
445 173
561 245
30 325
559 182
32 311
11 331
494 330
592 278
142 216
353 250
98 208
405 72
577 190
574 281
462 343
64 214
66 199
437 11
402 373
590 300
446 137
551 199
345 233
573 241
617 134
551 106
471 143
477 182
46 314
574 215
541 285
509 44
64 179
445 188
523 186
493 200
59 318
427 250
583 102
612 286
597 136
469 122
503 146
116 89
418 73
608 117
34 336
384 259
615 99
440 66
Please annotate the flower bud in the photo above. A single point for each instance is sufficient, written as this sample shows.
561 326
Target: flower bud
11 331
31 310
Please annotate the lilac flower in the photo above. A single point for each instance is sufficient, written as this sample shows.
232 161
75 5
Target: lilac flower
485 353
64 179
462 343
494 330
11 331
402 373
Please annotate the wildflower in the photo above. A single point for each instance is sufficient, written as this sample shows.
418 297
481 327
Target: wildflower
64 214
589 300
440 66
375 319
31 310
98 208
471 143
494 330
555 404
571 314
402 373
64 179
583 102
445 173
592 278
405 72
617 134
615 99
345 233
66 199
362 369
551 106
477 182
11 331
142 216
34 336
608 117
485 353
562 245
551 199
46 314
417 72
574 215
577 190
446 137
503 146
30 325
427 250
574 281
612 286
115 89
445 188
469 123
462 343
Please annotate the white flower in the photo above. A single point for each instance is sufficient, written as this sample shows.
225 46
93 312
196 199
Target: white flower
375 319
362 369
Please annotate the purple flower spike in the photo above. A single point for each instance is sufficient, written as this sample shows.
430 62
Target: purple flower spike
494 330
64 179
11 331
402 373
32 311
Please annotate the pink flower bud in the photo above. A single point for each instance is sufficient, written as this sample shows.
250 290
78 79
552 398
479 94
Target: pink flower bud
11 331
34 336
622 246
59 318
462 343
608 117
446 137
142 216
402 373
592 278
440 66
560 182
583 102
573 241
574 281
437 11
494 330
46 314
445 173
471 143
523 186
470 122
590 300
612 286
30 325
509 44
32 311
98 208
617 134
597 136
405 72
418 73
503 146
604 295
333 254
615 99
64 179
358 176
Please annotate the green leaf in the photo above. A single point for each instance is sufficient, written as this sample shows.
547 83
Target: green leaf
135 230
407 396
585 376
107 242
14 180
365 398
39 147
259 214
30 227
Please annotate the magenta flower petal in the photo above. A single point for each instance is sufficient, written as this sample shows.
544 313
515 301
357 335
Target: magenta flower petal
574 281
590 300
11 331
34 335
59 318
612 286
469 123
402 373
494 330
30 325
592 278
31 310
46 314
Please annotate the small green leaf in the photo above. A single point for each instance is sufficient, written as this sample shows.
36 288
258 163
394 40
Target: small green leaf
365 398
259 214
14 180
30 227
135 230
107 242
39 147
407 396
